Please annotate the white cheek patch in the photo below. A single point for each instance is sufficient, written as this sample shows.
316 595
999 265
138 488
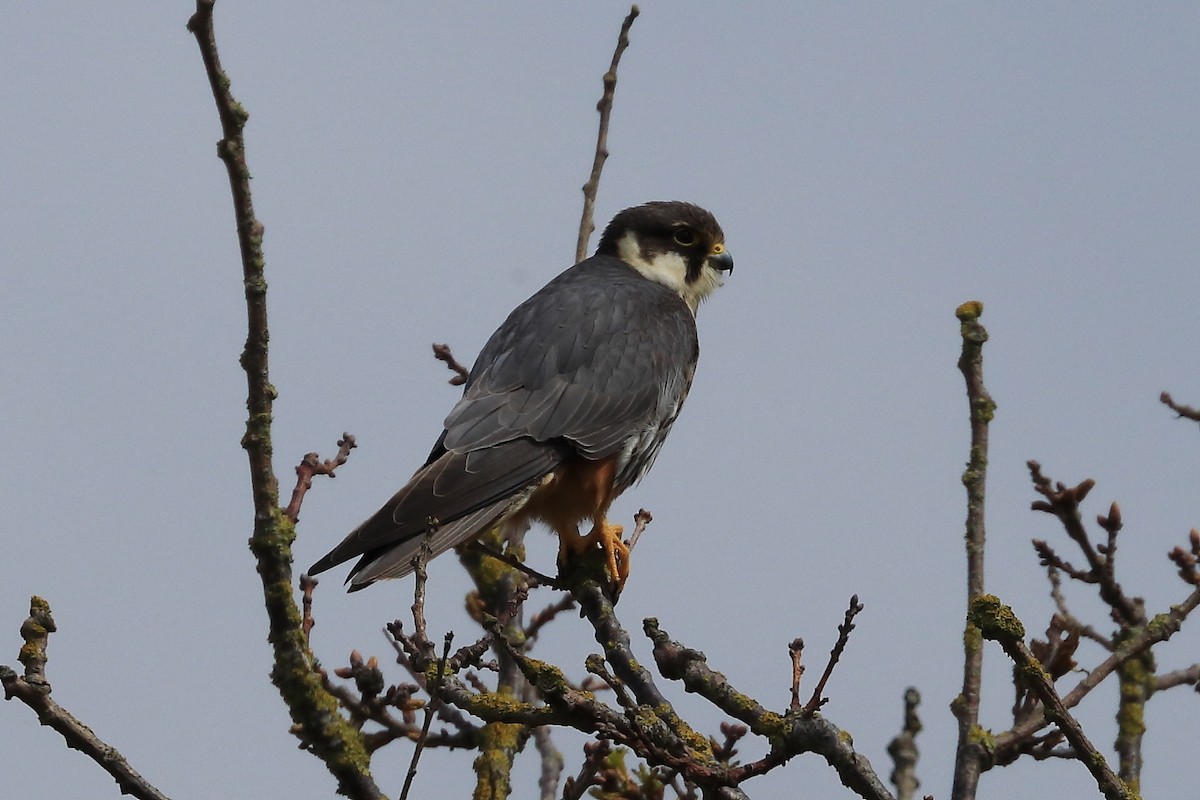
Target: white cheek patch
669 269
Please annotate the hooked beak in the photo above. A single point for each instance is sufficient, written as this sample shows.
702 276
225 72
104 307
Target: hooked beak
721 261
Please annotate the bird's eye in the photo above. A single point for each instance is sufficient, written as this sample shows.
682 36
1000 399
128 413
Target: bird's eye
685 237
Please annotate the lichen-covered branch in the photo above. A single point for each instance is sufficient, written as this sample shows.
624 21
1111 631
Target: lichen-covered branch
33 689
970 753
315 712
1160 628
790 734
998 623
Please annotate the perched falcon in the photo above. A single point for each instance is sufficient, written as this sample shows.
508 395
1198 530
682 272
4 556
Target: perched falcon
567 404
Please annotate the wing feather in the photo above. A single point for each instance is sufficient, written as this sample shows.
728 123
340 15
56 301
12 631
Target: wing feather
583 361
451 488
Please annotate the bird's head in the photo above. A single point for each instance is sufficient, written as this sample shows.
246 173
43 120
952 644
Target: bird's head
677 244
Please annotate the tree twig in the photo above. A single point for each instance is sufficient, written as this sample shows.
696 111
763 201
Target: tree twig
33 689
442 353
844 630
1187 412
586 223
903 748
796 651
969 753
429 709
312 465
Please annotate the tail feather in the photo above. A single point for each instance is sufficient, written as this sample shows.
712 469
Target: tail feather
397 560
457 495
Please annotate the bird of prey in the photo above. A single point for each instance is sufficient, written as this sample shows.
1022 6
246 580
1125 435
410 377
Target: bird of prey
567 404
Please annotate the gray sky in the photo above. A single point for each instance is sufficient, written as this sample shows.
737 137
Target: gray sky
418 167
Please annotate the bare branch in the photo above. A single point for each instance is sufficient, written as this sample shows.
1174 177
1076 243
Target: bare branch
816 701
790 735
903 749
433 699
1186 412
552 764
997 622
969 754
33 689
1161 628
796 651
586 223
1189 676
312 465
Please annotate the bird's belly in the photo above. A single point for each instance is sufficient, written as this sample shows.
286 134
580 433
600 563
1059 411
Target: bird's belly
578 489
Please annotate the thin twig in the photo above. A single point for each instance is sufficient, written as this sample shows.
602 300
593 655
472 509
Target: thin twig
307 585
424 647
844 630
541 578
1188 676
429 708
796 651
442 353
312 465
903 748
1186 412
586 223
1063 502
640 520
546 615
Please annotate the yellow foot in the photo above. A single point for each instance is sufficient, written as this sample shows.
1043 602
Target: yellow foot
608 538
616 553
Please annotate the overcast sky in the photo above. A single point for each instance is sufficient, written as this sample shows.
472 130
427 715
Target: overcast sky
417 167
